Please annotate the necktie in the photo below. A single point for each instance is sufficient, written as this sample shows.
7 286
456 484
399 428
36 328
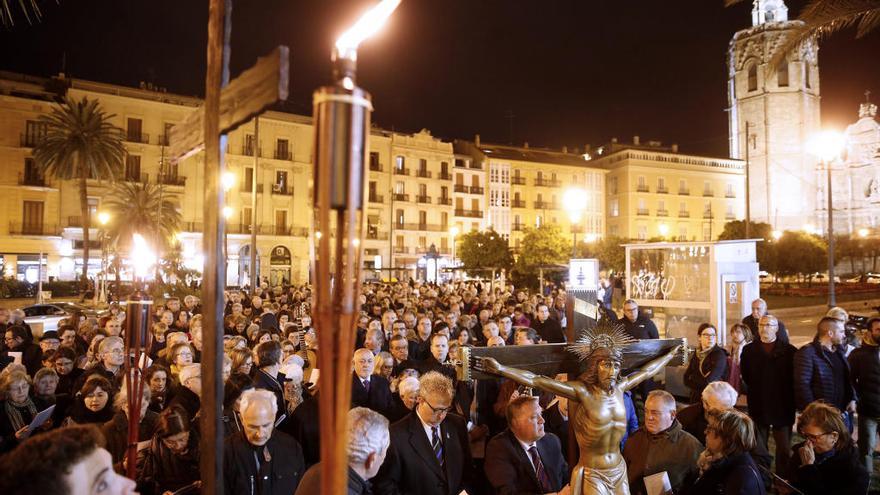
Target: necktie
367 385
543 480
436 445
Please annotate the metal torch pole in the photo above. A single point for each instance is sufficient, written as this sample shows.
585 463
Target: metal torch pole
832 299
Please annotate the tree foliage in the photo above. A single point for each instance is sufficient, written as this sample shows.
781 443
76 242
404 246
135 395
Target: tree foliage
765 251
80 144
609 251
801 254
143 209
541 246
481 250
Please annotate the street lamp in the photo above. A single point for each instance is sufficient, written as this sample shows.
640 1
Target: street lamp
342 128
574 200
227 180
103 219
453 231
827 146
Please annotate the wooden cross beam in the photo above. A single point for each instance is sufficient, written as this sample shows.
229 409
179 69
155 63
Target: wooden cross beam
246 96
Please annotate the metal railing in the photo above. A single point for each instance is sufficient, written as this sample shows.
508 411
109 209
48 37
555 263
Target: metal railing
20 228
730 195
31 180
461 188
684 192
249 150
708 193
246 188
423 199
662 190
468 213
142 178
137 137
517 227
708 215
401 250
377 236
476 166
642 188
400 197
171 180
517 180
477 190
425 174
684 214
282 189
375 167
444 201
444 176
547 183
284 155
376 198
642 212
401 171
662 213
518 203
545 205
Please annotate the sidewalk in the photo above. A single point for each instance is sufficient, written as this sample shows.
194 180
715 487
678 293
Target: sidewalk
865 307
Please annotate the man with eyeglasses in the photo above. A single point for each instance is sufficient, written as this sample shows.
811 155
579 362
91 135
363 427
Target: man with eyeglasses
759 309
16 340
430 452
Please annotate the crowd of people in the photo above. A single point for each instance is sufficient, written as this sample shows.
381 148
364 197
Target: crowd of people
414 427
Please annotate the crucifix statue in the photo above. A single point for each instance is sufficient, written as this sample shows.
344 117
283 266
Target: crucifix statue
596 407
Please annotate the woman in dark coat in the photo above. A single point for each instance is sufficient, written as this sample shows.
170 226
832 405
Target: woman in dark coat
726 466
709 363
17 410
116 430
93 402
171 462
827 462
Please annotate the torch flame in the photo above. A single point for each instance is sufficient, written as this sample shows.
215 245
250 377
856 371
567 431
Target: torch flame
366 26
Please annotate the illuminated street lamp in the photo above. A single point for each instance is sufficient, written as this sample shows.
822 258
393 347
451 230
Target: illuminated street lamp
574 200
227 180
342 128
863 233
777 234
827 146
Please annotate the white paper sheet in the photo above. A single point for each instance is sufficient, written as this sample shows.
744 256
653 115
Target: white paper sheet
658 484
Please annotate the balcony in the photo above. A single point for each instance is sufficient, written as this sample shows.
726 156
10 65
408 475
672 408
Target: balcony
518 203
708 215
137 137
444 201
132 177
641 188
708 194
684 192
424 174
476 166
248 150
424 227
171 180
461 188
517 227
423 199
662 190
460 163
282 230
377 236
31 179
400 197
729 216
30 140
545 205
401 250
547 183
662 213
401 171
477 190
163 140
284 155
19 228
684 214
642 212
246 188
468 213
518 181
445 176
730 194
375 167
282 190
376 198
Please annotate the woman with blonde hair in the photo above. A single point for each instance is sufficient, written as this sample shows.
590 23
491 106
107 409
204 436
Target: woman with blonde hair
242 361
740 336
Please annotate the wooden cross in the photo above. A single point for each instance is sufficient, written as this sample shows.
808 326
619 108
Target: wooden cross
227 106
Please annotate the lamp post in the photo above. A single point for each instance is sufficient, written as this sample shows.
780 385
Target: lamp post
341 123
827 146
453 231
574 200
103 219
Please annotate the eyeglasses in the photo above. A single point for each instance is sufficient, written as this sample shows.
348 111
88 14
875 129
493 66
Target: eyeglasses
815 438
437 410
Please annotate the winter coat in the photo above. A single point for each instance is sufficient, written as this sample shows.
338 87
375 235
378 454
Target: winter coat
864 369
161 469
843 473
700 373
768 378
280 470
674 451
734 475
116 433
814 377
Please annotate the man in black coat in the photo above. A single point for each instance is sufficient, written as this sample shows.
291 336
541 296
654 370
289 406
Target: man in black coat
821 371
864 365
267 377
261 460
439 354
430 452
636 325
369 390
523 459
767 366
759 309
16 340
548 328
187 395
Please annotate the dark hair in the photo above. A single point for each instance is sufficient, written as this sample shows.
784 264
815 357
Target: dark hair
172 421
235 385
156 368
530 332
64 352
704 326
18 332
268 353
64 328
871 322
822 326
41 463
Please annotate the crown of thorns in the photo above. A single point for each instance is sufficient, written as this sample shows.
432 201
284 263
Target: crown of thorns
605 335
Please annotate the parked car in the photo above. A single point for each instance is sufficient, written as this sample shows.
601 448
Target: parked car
49 314
868 278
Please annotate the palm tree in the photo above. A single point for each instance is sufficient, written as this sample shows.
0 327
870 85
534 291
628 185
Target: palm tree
825 17
27 7
142 209
81 144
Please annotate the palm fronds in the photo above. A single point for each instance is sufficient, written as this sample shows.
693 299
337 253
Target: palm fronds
143 209
28 8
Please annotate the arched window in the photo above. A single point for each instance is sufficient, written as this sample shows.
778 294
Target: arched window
782 74
753 77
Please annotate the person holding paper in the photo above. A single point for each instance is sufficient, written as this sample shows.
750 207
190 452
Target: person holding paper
17 411
16 340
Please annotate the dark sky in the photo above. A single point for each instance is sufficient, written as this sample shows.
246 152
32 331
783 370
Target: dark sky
570 71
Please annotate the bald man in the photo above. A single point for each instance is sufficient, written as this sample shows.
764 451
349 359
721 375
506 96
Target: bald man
369 390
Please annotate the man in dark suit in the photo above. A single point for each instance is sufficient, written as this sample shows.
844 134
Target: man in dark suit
369 390
523 459
548 328
268 376
430 452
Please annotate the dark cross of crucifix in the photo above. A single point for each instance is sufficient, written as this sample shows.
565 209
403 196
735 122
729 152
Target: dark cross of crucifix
228 104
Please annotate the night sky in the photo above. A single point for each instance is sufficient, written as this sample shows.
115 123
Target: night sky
570 71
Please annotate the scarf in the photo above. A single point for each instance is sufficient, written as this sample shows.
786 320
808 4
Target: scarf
702 355
736 351
13 412
707 460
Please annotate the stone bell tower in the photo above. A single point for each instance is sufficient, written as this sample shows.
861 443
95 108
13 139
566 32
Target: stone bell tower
772 113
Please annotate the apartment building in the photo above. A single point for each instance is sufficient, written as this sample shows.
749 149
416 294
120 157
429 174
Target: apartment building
653 191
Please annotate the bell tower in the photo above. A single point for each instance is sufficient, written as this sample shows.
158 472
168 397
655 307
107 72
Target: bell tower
772 113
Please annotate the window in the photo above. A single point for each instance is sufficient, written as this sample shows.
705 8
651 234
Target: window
399 162
281 185
753 77
423 219
399 242
475 226
444 192
729 191
399 188
642 232
133 168
642 184
246 217
32 175
423 165
682 232
614 207
444 220
782 74
249 143
135 130
281 222
166 136
282 150
372 190
475 181
34 133
661 184
444 244
661 206
538 221
32 217
444 169
248 179
707 231
374 162
400 218
423 242
475 205
612 185
683 187
729 213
